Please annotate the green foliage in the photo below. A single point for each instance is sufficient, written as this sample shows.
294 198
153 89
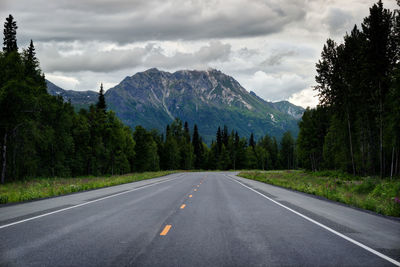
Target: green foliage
10 35
146 156
101 104
356 127
41 135
31 189
382 196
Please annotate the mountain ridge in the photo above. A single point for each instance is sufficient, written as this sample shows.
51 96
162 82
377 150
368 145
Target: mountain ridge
210 98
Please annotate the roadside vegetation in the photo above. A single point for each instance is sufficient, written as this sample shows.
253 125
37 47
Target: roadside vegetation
356 126
378 195
31 189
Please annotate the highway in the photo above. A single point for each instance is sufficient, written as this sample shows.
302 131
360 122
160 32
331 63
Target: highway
195 219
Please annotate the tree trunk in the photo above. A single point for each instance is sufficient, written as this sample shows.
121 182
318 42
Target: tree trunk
391 168
380 131
396 170
3 170
362 150
351 144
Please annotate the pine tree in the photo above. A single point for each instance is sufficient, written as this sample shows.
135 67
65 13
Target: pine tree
186 132
287 151
31 62
252 143
197 148
219 140
10 35
225 136
101 103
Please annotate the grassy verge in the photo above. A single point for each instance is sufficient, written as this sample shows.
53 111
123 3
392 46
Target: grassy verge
379 195
48 187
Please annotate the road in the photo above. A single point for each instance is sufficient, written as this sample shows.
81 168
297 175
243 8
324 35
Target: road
194 219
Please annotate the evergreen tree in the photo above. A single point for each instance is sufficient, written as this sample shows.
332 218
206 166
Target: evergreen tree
252 143
30 60
313 130
274 154
377 28
287 155
219 141
251 158
186 132
10 35
225 136
101 103
197 148
171 149
146 157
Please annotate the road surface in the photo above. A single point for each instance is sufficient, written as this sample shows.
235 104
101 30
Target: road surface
194 219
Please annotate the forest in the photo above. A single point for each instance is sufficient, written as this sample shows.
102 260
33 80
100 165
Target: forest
42 135
356 126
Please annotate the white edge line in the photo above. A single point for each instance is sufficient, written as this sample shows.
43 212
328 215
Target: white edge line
377 253
83 204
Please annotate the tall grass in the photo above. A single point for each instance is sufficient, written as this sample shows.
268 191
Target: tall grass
37 188
371 193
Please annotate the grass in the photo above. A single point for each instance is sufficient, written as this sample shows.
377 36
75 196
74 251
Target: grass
37 188
370 193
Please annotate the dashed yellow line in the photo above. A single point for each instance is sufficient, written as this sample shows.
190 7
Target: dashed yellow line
183 206
166 229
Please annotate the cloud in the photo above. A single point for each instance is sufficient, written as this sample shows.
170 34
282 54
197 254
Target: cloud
269 46
338 21
126 21
215 51
276 58
88 57
275 87
305 98
62 81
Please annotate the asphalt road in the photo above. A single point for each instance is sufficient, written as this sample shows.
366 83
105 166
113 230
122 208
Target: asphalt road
194 219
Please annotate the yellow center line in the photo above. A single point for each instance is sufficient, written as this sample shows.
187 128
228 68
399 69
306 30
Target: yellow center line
183 206
190 195
166 229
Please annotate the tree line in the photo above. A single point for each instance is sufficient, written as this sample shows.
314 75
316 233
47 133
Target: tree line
183 149
356 127
42 136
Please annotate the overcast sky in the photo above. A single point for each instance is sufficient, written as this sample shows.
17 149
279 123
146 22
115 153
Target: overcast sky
269 46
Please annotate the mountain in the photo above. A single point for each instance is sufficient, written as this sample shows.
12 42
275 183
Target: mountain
80 99
290 109
153 98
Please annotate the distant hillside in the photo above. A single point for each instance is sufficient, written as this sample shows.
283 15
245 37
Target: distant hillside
80 99
290 109
153 98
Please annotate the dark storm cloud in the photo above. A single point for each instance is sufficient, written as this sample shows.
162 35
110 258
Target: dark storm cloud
127 21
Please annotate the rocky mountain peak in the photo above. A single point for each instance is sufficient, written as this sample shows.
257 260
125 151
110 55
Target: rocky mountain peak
208 98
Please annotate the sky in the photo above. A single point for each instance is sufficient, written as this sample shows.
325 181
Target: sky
269 46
